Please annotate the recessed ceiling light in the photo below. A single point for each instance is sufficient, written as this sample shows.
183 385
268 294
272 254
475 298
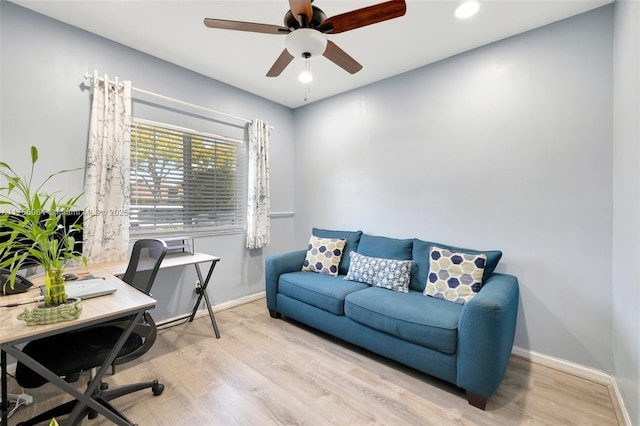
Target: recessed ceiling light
467 9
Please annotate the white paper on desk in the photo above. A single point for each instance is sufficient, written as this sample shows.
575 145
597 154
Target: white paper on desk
87 289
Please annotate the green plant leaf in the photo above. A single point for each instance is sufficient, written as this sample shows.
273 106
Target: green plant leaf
34 154
28 235
36 202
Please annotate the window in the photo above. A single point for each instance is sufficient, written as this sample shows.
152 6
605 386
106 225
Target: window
185 182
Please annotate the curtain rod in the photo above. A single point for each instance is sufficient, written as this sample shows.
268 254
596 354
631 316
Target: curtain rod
87 76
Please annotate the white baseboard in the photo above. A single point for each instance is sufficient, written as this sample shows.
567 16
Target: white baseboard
217 308
563 365
625 413
237 302
578 370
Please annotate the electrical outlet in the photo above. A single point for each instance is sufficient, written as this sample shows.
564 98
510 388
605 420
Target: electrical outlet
196 287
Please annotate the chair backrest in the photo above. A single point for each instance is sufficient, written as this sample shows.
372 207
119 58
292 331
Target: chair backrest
144 263
143 267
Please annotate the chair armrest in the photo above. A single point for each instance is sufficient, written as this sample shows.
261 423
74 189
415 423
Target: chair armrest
485 335
148 331
276 265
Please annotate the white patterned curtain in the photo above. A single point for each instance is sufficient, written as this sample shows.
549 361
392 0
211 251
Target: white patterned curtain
258 226
106 227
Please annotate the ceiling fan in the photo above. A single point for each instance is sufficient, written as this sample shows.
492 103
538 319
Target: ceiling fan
306 28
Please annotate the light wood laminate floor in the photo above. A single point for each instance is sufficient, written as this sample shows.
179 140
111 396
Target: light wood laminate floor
277 372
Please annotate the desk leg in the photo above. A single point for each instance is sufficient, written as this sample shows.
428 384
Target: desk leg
5 394
203 293
86 397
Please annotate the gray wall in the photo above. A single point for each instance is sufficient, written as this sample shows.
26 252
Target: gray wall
508 147
44 104
626 204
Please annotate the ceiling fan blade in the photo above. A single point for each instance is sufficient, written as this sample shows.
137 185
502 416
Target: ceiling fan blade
302 7
363 17
341 58
280 64
245 26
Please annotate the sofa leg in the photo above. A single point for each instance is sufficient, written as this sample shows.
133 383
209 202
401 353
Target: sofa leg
274 314
476 400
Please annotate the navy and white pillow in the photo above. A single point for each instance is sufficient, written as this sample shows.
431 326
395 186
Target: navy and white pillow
385 273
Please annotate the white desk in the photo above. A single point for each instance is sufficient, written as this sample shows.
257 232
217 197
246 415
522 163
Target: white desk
125 302
178 260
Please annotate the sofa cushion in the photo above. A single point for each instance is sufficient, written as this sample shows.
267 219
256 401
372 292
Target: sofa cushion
323 255
454 276
386 273
352 237
420 256
425 321
385 247
325 292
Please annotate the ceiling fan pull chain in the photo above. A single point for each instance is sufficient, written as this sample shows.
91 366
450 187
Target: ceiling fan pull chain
307 86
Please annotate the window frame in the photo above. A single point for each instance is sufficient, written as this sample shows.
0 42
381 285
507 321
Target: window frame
189 230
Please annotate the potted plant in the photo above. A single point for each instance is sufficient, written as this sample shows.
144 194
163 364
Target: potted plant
32 229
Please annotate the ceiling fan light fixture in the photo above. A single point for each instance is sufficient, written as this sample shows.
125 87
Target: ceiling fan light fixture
306 40
467 9
305 77
306 27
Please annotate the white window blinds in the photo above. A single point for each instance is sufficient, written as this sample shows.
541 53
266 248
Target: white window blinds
184 182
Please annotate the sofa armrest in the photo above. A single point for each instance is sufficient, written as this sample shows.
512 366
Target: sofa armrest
485 335
276 265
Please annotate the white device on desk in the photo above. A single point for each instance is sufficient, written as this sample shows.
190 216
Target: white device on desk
87 289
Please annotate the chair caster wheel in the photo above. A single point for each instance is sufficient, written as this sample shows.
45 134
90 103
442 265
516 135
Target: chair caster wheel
157 388
104 386
92 414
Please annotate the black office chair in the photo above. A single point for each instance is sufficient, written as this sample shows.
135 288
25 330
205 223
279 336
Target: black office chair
71 353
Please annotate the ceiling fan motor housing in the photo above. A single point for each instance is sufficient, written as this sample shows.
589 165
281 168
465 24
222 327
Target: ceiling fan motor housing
318 18
305 42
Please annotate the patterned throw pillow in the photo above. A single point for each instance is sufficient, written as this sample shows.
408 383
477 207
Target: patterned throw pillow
386 273
323 255
453 276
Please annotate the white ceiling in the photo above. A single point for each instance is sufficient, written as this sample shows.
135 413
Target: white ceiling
173 30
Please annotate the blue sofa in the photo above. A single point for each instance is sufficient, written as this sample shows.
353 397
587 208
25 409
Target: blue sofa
468 344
